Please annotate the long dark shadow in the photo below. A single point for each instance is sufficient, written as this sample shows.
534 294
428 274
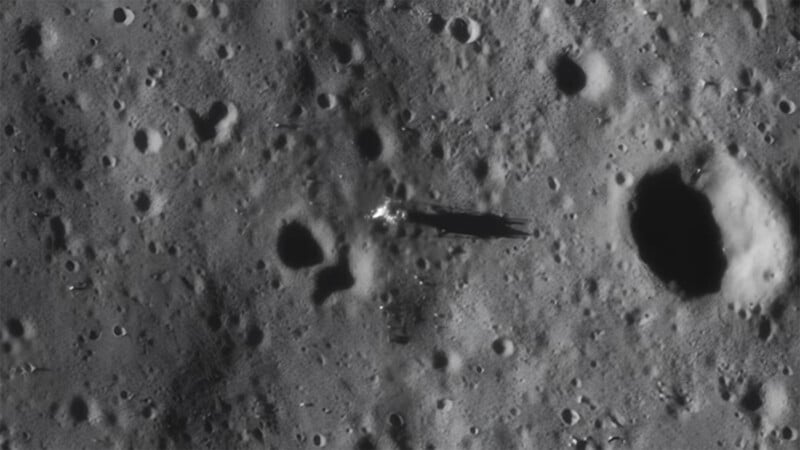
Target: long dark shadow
480 225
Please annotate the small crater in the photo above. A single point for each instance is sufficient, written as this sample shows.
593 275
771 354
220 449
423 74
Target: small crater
753 399
326 101
224 51
319 440
736 151
216 113
31 38
787 106
440 361
333 279
724 389
342 51
304 81
369 144
123 16
210 127
398 431
254 336
633 317
569 416
436 23
192 11
756 15
140 140
459 29
149 412
570 77
78 410
764 328
297 247
141 201
664 34
464 31
396 421
147 140
71 266
623 179
676 234
15 328
553 183
220 10
59 233
481 169
503 347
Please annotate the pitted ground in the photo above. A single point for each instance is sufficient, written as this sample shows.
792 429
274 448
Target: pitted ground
189 259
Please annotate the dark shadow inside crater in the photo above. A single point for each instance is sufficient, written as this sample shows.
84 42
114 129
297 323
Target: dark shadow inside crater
676 234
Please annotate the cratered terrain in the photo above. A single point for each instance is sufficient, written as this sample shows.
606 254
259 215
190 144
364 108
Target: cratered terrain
399 224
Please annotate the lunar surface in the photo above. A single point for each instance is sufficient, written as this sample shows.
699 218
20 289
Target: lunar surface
399 224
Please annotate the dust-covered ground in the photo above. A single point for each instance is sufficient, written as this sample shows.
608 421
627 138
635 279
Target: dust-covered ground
399 224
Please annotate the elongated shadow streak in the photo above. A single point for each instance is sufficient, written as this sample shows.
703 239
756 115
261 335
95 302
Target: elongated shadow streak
483 226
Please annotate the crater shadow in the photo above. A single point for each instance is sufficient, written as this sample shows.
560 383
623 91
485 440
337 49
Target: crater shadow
676 234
